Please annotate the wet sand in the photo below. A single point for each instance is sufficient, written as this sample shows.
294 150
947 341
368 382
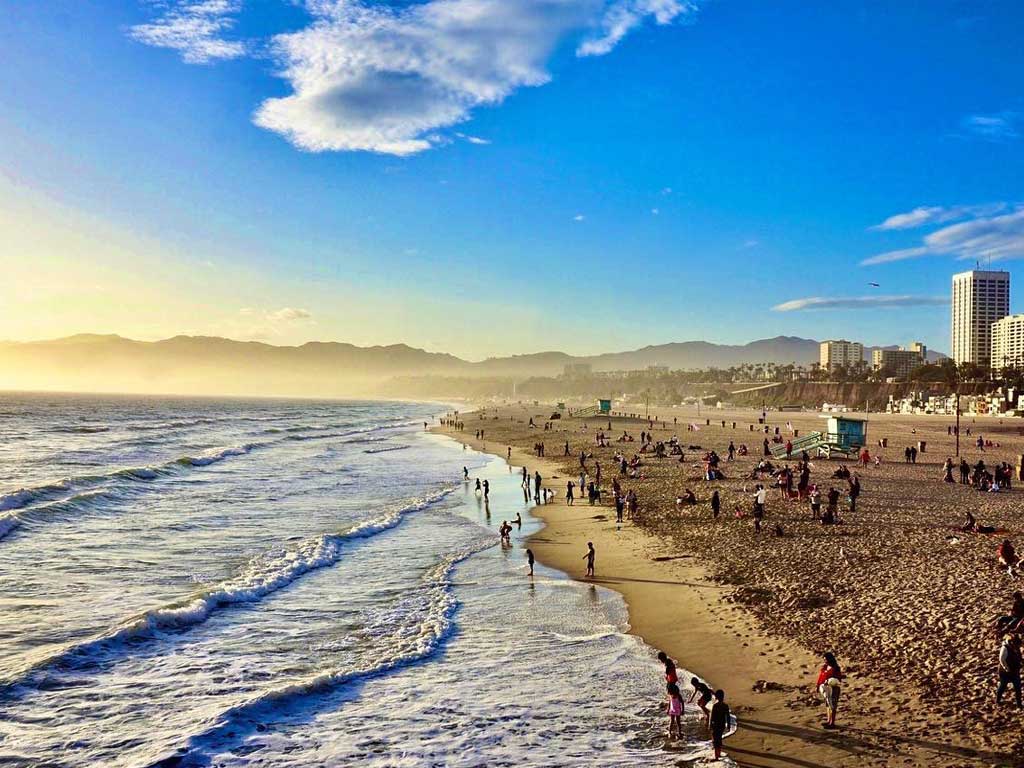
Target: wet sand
903 599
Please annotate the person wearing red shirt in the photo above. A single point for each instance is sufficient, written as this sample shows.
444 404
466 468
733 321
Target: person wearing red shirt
828 685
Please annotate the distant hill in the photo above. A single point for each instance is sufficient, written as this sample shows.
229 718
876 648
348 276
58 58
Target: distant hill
214 365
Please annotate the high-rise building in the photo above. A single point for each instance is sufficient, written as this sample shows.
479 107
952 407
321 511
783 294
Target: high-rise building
1008 342
898 362
980 298
917 346
841 352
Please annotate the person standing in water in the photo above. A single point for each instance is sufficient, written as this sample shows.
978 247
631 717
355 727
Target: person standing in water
478 487
487 489
701 692
589 557
718 720
671 676
529 560
465 474
830 677
675 711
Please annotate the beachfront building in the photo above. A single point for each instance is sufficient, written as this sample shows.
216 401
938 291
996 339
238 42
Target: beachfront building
897 363
1008 342
980 298
840 353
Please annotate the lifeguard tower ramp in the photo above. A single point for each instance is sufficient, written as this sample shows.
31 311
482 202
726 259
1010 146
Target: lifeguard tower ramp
844 436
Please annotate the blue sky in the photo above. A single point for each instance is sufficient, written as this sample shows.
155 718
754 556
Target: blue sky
492 178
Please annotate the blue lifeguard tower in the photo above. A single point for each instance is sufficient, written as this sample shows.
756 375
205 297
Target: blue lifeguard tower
845 434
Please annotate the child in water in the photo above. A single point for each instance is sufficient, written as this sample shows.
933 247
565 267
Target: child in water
675 711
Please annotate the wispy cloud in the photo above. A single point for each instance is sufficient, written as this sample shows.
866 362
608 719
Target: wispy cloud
985 236
579 217
901 254
289 315
386 77
998 127
195 28
622 17
936 214
473 139
858 302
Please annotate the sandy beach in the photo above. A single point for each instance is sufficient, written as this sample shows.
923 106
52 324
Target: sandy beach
905 601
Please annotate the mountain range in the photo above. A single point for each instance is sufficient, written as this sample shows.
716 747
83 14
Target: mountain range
214 365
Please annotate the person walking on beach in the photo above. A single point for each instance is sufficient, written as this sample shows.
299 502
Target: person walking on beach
529 560
569 496
815 498
465 474
675 711
718 721
830 677
716 504
536 485
760 497
589 557
1009 668
854 492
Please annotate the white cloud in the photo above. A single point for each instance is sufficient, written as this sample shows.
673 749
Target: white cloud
1001 126
473 139
935 214
195 28
898 255
579 217
984 237
289 315
376 77
858 302
993 238
655 211
622 17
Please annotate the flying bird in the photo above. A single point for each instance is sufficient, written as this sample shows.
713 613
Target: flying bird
875 285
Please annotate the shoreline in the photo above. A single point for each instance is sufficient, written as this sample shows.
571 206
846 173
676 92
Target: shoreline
768 676
726 650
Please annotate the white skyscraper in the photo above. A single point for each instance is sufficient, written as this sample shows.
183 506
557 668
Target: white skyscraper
980 298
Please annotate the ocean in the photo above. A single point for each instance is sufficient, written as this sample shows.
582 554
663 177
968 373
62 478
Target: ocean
200 582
